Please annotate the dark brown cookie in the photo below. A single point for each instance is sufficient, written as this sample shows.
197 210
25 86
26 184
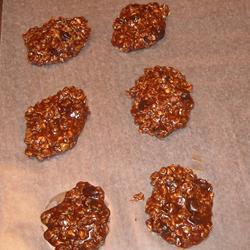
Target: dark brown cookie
162 101
54 124
139 26
180 207
57 40
80 221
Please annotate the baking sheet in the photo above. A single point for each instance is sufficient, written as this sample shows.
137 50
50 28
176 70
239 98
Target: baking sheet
208 41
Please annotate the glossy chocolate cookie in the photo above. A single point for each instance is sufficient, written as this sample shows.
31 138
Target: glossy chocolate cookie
161 101
180 206
80 221
139 26
54 124
57 40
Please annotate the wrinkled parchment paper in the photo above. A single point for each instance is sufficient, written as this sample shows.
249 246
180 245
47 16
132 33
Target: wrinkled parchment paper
206 40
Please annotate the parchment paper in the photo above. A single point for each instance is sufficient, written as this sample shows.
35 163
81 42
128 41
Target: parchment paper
208 41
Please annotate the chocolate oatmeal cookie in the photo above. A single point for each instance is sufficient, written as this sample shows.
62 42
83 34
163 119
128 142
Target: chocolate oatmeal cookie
57 40
161 101
80 221
139 26
54 124
180 207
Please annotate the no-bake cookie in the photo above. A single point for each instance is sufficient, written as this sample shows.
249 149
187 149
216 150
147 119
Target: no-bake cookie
57 40
80 221
139 26
180 207
161 101
54 124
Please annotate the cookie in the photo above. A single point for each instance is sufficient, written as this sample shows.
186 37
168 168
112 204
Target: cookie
54 124
180 207
161 101
80 221
139 26
57 40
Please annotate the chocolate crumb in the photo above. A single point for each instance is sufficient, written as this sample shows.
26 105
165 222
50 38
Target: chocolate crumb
180 207
138 197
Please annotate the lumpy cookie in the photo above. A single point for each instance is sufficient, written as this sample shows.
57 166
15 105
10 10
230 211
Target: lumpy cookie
161 101
57 40
139 26
80 221
180 207
54 124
